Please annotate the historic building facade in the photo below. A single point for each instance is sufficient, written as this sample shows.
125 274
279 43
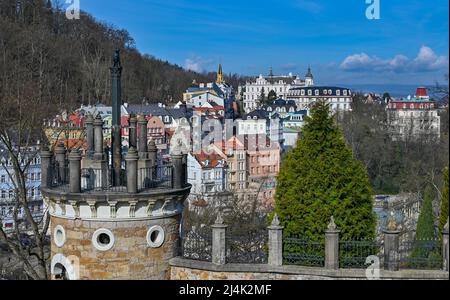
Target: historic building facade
8 187
340 99
263 85
414 117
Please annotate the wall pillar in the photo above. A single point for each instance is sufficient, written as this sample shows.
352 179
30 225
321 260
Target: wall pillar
75 171
275 242
177 175
132 132
152 152
46 157
445 247
219 243
142 144
98 138
131 168
60 157
391 246
90 135
332 246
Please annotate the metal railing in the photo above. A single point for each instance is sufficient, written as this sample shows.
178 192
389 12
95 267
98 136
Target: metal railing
94 180
303 252
155 177
248 248
421 254
354 254
57 175
197 244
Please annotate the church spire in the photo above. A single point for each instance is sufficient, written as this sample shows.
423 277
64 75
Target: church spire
220 78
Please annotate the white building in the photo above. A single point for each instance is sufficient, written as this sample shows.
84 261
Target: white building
414 117
260 122
202 99
340 99
252 91
207 173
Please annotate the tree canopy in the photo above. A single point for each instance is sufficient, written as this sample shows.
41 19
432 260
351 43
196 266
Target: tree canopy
319 178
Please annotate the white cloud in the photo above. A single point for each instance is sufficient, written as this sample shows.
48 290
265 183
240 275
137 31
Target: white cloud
425 61
197 64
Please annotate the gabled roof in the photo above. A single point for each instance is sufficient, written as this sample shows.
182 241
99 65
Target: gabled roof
258 113
209 160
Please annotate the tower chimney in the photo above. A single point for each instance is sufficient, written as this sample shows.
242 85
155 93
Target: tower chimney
116 73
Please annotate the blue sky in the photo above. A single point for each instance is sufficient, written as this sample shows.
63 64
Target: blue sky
408 45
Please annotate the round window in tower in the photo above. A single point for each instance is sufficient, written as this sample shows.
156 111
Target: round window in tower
59 236
103 239
155 236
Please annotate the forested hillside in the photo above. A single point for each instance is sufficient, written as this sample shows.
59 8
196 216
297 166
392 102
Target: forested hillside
61 63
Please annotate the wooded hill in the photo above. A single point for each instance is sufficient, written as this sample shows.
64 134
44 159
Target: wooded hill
62 63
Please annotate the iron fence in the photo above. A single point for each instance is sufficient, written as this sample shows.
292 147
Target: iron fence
354 254
247 248
155 177
303 252
95 180
421 254
197 244
58 174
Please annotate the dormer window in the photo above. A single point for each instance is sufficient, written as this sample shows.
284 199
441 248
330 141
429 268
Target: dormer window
303 92
338 92
330 92
325 92
317 92
345 92
309 92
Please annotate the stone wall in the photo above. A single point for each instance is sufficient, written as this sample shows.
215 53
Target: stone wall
129 258
184 269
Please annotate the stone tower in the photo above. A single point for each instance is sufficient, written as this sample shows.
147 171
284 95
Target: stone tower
105 226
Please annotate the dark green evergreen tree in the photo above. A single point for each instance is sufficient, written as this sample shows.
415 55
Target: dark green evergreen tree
425 224
319 178
425 251
443 217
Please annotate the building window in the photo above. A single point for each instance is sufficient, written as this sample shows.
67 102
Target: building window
155 236
317 92
59 236
103 239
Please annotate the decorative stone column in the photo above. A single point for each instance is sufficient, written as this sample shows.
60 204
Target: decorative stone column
391 246
132 132
131 160
60 157
75 171
98 139
46 157
90 135
177 162
142 125
275 242
445 247
332 246
219 243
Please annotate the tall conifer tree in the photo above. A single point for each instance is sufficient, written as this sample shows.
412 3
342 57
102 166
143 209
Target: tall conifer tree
320 178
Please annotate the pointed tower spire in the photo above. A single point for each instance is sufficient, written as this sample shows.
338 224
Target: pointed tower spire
220 77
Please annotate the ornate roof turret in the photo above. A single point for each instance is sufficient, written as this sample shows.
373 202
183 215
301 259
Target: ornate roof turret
309 73
220 78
